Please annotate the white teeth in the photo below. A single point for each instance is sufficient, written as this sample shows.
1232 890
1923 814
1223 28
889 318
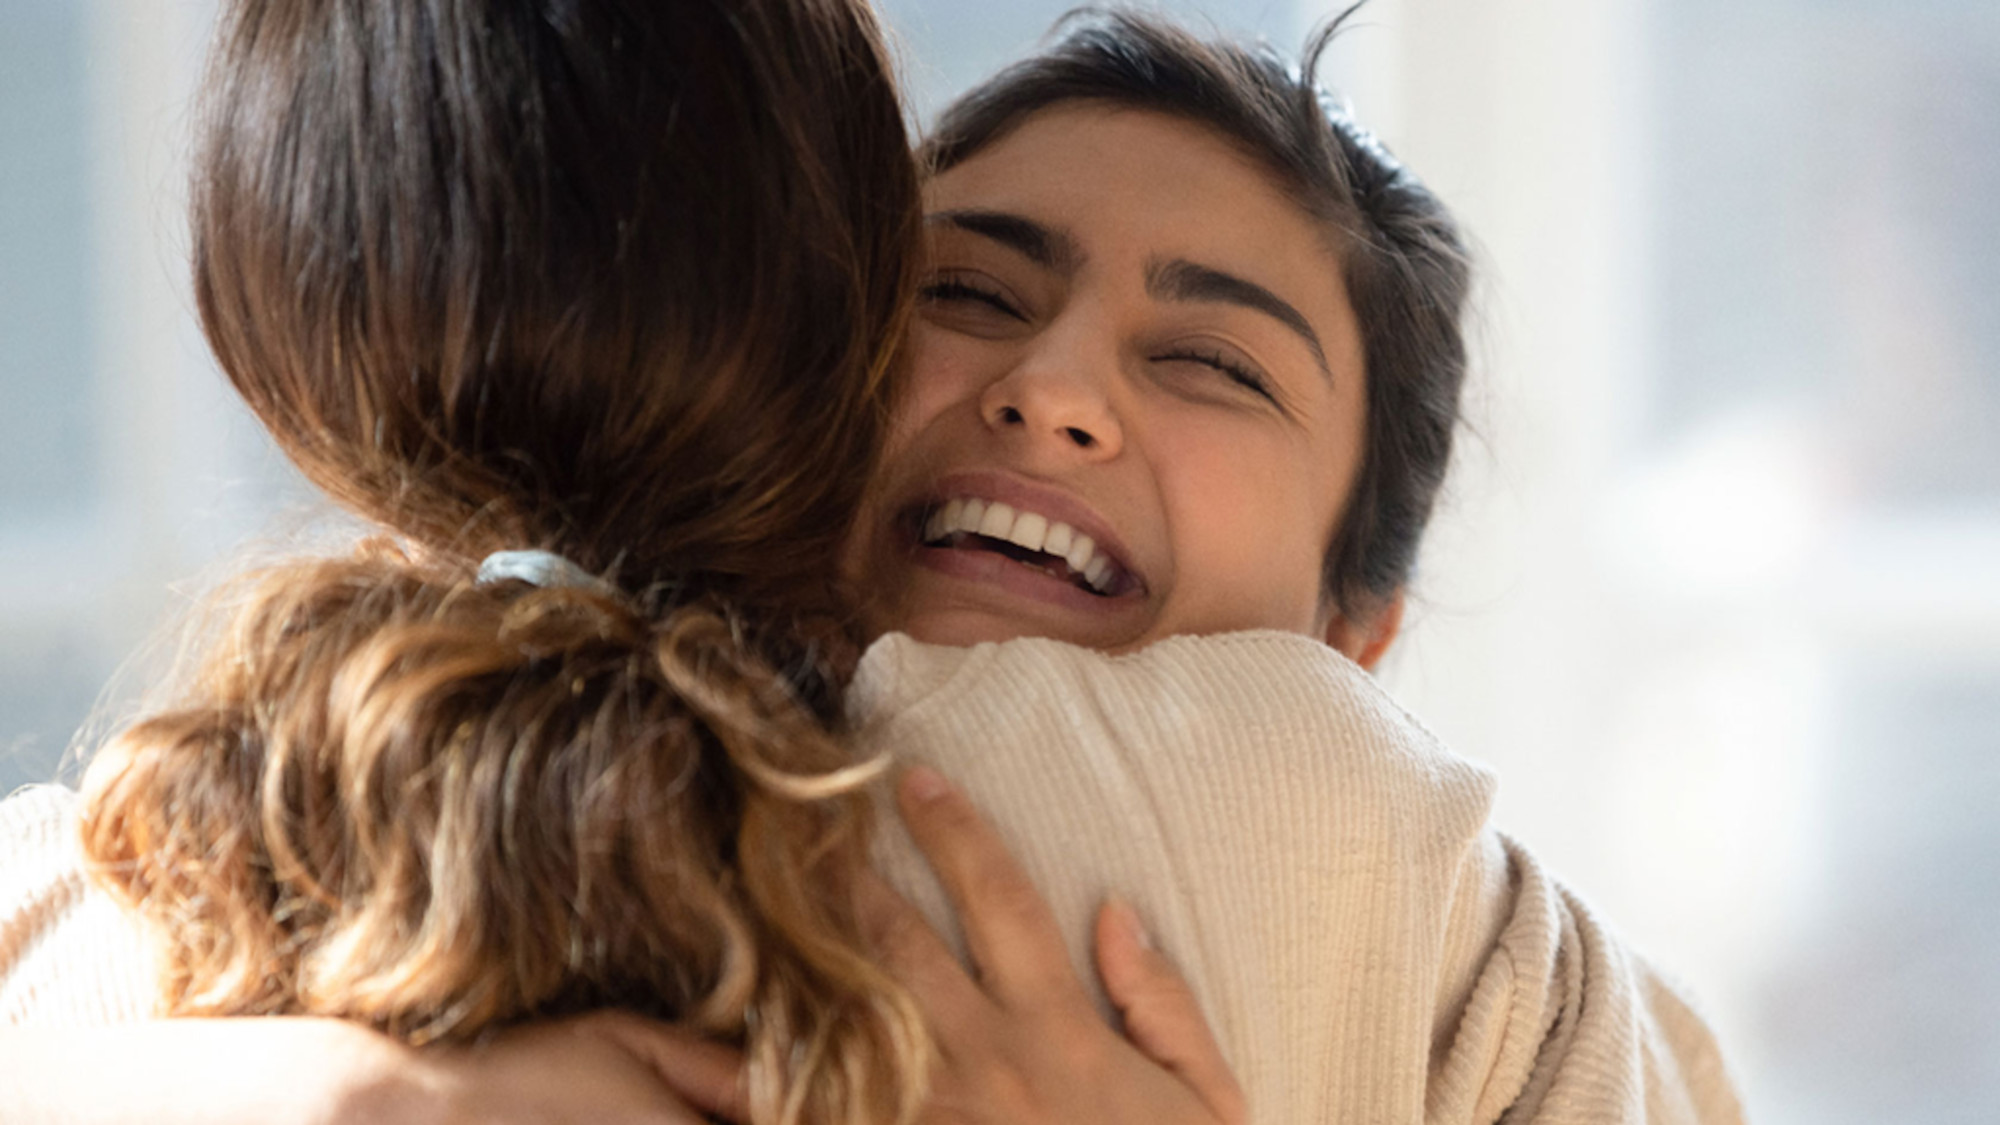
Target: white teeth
1058 539
1096 572
1028 530
1080 551
997 521
943 521
1031 530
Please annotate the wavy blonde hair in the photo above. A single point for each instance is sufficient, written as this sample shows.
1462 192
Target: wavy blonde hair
612 278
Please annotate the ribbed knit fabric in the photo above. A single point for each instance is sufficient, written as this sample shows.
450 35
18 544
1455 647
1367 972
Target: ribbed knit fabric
1367 947
70 956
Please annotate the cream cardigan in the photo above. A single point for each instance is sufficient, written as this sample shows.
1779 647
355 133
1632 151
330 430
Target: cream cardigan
1366 946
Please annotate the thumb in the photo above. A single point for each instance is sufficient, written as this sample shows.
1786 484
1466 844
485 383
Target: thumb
1162 1018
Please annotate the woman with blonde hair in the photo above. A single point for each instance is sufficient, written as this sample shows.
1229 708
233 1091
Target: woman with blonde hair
586 307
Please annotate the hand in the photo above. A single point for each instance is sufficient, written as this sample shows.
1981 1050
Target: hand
1022 1042
609 1067
606 1067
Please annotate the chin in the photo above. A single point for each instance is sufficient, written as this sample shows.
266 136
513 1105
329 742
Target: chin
964 628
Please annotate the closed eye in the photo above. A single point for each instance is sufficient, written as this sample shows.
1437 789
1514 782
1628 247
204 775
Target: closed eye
954 290
1238 373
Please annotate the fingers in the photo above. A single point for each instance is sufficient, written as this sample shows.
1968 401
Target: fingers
709 1076
915 955
1162 1018
1009 929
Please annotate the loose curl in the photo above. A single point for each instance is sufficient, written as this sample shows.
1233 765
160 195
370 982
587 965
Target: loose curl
436 808
614 278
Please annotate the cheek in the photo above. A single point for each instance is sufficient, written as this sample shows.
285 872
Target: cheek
1250 532
946 369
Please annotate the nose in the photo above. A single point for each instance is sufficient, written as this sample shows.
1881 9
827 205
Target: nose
1057 399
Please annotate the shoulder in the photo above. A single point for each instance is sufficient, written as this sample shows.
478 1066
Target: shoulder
1257 714
69 954
1228 674
37 833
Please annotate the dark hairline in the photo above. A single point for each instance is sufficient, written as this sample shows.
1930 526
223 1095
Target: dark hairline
1397 249
1176 279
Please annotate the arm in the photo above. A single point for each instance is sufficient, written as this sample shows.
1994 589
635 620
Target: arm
610 1067
1021 1044
1020 1041
175 1072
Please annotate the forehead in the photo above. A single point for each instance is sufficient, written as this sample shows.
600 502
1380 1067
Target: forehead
1133 187
1077 154
1120 178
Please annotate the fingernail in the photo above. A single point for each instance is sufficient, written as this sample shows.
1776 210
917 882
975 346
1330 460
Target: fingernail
1129 918
924 784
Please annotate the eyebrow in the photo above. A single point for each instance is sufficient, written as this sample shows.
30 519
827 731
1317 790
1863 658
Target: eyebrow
1177 280
1043 245
1182 280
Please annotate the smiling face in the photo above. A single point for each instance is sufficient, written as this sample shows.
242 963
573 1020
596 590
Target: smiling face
1135 406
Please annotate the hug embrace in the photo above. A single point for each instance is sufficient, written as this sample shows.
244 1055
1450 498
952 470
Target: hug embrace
738 477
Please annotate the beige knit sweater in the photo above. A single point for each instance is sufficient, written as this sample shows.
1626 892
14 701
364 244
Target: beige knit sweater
1367 947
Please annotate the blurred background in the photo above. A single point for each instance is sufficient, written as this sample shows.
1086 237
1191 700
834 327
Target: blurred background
1716 585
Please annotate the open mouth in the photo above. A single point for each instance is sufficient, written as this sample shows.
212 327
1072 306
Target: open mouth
1029 538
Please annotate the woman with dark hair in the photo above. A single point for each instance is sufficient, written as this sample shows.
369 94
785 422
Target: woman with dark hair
1188 363
1184 383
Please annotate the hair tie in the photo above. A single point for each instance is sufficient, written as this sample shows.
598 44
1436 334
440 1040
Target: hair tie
539 568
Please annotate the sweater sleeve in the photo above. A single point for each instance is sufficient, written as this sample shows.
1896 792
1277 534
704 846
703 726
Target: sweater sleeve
1366 946
1564 1024
70 956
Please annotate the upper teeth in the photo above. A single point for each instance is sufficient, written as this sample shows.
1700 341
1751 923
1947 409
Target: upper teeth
1032 530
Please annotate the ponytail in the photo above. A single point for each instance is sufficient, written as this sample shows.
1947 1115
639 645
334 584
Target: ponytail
620 281
437 807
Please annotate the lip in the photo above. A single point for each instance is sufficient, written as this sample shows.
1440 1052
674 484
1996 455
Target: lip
999 570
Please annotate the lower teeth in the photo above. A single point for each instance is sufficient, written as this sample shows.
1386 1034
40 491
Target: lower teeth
1043 562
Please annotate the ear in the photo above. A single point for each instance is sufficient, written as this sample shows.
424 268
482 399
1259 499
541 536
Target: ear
1364 639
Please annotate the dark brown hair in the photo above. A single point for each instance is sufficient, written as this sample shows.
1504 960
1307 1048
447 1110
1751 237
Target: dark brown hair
1404 265
610 278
